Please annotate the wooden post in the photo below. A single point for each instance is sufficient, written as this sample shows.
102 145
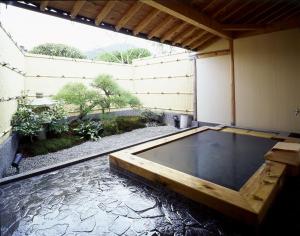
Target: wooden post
232 84
195 89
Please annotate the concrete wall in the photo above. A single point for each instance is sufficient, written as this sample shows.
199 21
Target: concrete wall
267 69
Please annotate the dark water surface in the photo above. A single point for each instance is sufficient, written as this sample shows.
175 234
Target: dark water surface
223 158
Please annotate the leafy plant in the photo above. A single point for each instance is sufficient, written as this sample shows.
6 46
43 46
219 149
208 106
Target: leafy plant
79 95
89 129
110 126
128 123
58 119
151 116
59 50
41 147
125 57
26 122
110 94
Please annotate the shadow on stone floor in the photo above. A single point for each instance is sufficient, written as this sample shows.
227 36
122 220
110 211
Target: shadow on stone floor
90 199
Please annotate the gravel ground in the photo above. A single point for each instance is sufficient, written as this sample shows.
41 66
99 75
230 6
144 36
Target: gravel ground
88 148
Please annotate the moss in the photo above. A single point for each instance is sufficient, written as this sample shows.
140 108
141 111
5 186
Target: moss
41 147
128 123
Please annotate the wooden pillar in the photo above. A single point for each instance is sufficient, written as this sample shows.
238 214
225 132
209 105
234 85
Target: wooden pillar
232 84
195 89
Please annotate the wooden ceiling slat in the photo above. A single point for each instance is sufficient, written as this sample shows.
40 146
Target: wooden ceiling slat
290 12
76 8
104 12
185 13
264 11
290 16
225 6
173 31
207 43
236 10
128 15
190 40
185 34
211 3
283 8
143 24
253 9
202 40
43 5
157 29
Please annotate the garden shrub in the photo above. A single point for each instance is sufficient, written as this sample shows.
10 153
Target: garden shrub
58 119
128 123
59 50
110 94
150 116
90 130
41 147
79 95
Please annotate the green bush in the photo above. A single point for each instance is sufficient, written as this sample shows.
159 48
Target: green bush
128 123
89 129
41 147
26 122
59 50
58 119
79 95
150 116
110 94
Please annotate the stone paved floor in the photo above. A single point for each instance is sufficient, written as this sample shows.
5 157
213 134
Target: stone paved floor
90 199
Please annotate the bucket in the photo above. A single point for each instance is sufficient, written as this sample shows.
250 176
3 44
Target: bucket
184 120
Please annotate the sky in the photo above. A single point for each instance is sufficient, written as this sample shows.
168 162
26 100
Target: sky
30 29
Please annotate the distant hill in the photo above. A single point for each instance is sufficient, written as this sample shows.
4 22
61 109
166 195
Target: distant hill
115 47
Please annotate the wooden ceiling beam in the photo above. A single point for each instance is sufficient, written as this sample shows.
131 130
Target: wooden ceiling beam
157 29
242 27
190 40
76 8
288 13
143 24
172 31
207 43
104 12
43 5
293 23
202 40
128 15
187 14
184 35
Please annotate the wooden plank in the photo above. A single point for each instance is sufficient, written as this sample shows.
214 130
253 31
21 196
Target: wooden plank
286 157
236 10
128 15
184 35
43 5
157 29
143 24
190 40
242 27
213 53
172 31
187 14
261 188
201 41
76 8
207 43
284 146
215 196
104 12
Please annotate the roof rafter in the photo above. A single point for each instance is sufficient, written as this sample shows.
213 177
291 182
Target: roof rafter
128 15
189 15
190 40
104 12
43 5
184 35
263 12
207 43
76 8
145 21
202 40
173 31
157 29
